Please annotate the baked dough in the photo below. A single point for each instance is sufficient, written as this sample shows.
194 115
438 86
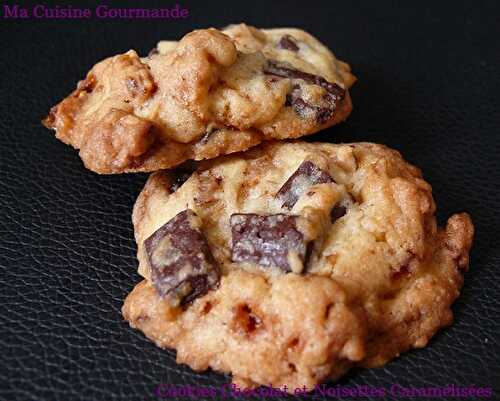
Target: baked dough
213 93
377 277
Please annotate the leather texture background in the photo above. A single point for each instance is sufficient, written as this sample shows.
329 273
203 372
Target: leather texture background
428 85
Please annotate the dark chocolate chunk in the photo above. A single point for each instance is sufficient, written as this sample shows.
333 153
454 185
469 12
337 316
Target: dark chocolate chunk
306 175
285 71
288 42
322 111
268 240
304 109
180 260
323 115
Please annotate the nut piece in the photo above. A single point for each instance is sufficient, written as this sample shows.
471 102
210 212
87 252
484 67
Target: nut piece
180 260
271 240
306 175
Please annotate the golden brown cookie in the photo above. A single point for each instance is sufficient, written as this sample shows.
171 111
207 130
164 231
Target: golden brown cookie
293 262
214 92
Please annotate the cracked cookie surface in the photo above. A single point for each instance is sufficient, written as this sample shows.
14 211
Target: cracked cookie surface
212 93
329 255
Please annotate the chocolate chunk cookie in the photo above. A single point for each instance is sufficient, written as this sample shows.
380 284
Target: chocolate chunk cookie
212 93
322 257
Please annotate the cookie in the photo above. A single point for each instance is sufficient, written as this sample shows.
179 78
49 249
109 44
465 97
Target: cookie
321 257
213 93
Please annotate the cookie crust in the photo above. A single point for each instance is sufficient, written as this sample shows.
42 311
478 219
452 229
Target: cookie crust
210 94
380 278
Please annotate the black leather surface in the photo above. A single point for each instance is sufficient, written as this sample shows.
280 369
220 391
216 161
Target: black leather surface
428 85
